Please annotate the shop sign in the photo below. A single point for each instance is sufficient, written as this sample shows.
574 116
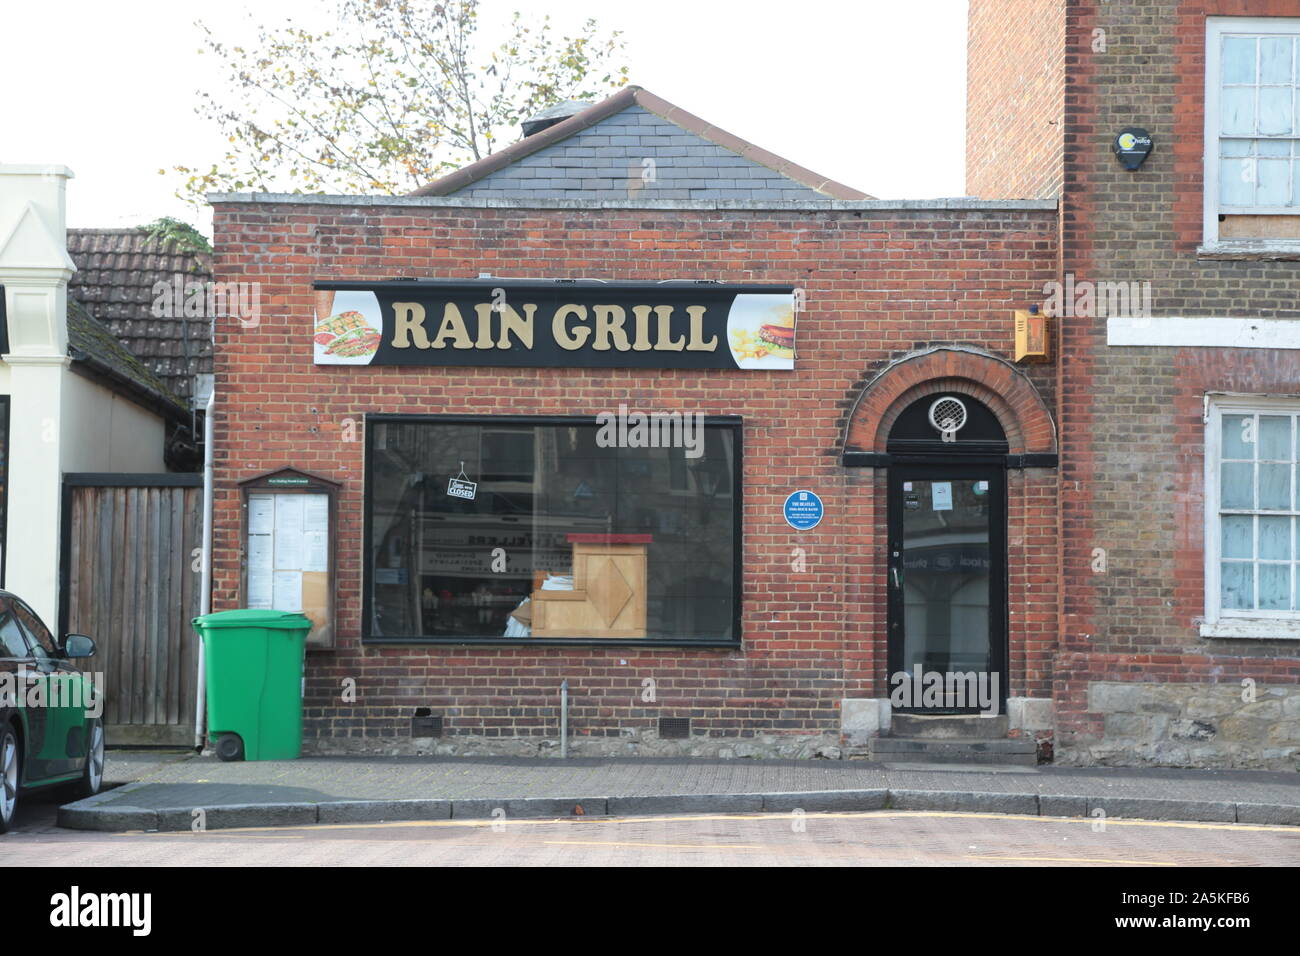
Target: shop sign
558 324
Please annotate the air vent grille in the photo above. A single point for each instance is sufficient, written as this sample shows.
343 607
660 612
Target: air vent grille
426 724
674 728
948 414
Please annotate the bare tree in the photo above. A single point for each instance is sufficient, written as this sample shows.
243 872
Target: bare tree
403 92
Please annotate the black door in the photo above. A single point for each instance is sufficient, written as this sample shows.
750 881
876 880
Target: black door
947 586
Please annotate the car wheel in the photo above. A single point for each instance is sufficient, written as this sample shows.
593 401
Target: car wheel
230 747
10 764
92 777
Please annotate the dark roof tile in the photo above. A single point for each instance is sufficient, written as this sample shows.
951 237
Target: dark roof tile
116 273
92 342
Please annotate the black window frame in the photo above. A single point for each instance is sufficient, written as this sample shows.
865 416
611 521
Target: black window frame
733 422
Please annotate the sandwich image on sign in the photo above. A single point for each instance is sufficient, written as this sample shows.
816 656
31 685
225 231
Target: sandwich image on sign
348 328
760 331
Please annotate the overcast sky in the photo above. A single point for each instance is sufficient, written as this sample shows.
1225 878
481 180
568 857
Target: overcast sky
868 92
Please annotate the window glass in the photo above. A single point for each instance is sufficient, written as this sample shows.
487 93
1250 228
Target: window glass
1238 536
1275 487
1274 538
1259 511
1237 181
44 642
1238 585
1275 437
1274 185
1239 60
1237 112
647 535
1259 121
1238 486
12 641
1275 60
1239 436
1274 587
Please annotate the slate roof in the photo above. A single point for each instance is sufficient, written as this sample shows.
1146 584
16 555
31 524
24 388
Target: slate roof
93 344
602 153
116 273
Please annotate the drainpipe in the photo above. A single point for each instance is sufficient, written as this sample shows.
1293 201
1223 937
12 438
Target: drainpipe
205 580
564 718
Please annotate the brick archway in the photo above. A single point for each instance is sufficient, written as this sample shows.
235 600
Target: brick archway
1001 386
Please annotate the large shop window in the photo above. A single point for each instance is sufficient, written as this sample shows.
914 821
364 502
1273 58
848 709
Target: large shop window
1253 518
537 530
1252 132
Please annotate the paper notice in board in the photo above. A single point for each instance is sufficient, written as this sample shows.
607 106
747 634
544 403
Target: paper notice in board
941 494
287 587
259 590
316 513
259 552
261 514
288 550
288 514
315 551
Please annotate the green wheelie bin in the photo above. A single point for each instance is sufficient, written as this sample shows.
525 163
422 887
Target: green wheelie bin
253 666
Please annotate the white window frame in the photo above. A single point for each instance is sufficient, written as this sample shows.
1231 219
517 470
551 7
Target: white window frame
1219 621
1215 29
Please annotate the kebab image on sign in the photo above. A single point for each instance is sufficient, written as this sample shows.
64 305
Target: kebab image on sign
352 333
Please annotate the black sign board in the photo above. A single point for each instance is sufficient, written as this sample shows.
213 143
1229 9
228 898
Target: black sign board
555 323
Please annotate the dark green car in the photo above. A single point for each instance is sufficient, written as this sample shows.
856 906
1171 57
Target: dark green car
50 731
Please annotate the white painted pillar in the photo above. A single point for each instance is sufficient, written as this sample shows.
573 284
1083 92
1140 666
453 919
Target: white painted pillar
34 269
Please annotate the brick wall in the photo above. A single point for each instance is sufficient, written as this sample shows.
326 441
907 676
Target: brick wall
879 284
1014 92
1133 439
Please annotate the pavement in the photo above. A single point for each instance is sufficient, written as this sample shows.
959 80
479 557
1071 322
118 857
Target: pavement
155 791
877 838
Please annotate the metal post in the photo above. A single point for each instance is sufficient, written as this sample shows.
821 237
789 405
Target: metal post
564 719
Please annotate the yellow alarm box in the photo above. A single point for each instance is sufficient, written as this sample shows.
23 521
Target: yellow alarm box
1032 341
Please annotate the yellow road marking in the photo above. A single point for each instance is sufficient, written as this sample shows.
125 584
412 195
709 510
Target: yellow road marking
672 846
682 818
1070 859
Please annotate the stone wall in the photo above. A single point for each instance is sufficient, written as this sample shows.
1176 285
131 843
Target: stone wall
1192 725
630 742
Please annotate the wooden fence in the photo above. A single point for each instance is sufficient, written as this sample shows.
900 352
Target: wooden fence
130 580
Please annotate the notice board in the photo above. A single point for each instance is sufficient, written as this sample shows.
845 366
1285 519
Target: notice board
288 555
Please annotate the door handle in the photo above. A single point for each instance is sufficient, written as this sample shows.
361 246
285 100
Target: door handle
898 578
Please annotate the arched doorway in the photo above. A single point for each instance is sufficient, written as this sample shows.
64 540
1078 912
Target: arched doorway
1010 432
947 560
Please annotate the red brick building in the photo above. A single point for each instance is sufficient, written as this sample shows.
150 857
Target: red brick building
1101 529
1180 379
687 595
